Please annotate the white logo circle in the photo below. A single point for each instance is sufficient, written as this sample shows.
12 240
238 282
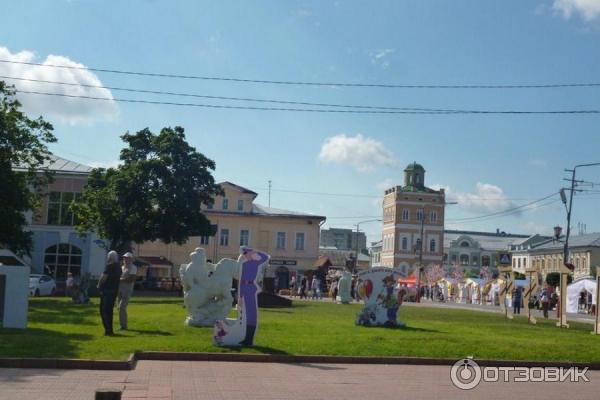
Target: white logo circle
465 374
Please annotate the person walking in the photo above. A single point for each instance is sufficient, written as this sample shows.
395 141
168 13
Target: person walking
314 287
128 277
303 287
545 300
516 300
108 285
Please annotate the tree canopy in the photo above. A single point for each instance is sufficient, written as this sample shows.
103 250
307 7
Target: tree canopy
23 154
155 193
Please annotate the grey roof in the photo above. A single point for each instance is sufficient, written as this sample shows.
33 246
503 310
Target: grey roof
586 240
338 257
491 241
62 165
270 211
238 187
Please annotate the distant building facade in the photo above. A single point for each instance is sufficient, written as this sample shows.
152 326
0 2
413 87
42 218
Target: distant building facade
547 256
473 250
57 247
375 253
291 238
413 221
344 239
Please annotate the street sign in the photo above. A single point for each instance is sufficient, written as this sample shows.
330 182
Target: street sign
504 259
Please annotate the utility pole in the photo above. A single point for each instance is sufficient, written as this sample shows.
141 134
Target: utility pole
269 193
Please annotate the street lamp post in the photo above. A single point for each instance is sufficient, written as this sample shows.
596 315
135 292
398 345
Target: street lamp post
356 241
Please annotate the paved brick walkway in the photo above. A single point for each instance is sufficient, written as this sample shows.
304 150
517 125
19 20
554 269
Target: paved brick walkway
222 380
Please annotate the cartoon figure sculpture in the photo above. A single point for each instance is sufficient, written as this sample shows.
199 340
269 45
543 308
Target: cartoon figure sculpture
241 331
382 298
344 288
207 288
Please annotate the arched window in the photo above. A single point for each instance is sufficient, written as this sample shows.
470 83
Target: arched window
464 259
61 259
405 243
432 246
464 244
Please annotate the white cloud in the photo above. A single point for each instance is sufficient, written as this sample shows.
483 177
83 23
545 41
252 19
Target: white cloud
63 109
362 153
385 184
588 9
486 198
378 57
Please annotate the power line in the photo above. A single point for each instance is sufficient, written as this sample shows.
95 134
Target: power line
508 210
310 110
330 84
303 103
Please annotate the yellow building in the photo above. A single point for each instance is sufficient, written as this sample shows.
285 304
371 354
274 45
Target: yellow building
291 238
547 257
407 211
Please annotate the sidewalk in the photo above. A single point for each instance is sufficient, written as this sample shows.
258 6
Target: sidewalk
167 380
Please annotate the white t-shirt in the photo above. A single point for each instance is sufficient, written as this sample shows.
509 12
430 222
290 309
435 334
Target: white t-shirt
126 273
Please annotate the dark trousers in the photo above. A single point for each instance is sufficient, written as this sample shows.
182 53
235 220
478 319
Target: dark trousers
517 307
107 305
545 308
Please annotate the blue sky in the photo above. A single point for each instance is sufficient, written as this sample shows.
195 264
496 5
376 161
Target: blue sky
489 163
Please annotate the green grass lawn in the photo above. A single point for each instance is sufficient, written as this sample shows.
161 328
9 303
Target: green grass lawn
60 329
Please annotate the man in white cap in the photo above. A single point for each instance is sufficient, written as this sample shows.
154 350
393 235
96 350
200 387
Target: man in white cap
128 276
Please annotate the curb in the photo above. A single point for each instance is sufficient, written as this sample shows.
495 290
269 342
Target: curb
131 362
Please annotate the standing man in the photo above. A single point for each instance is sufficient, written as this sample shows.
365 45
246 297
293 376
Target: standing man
108 285
516 300
128 276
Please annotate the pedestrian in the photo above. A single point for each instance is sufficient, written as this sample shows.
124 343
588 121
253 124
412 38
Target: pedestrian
545 300
128 277
516 300
303 287
333 289
314 287
108 285
293 286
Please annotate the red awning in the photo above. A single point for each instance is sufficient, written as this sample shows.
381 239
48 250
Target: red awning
411 280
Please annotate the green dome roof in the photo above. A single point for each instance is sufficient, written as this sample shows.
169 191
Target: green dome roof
414 166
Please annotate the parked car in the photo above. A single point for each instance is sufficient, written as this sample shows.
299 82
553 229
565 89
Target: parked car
41 285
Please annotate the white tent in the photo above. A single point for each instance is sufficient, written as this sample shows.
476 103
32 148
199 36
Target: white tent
575 288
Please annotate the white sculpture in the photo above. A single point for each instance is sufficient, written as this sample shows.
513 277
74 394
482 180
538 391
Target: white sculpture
207 288
344 288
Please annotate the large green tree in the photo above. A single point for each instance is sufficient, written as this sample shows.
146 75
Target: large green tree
23 154
155 193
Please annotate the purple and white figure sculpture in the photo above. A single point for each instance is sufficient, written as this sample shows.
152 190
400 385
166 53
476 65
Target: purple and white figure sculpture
240 331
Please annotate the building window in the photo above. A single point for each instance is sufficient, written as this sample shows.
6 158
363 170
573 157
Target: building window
225 204
453 258
419 214
209 206
418 245
280 240
300 241
464 259
204 240
224 239
464 244
433 218
62 259
244 237
432 246
405 243
485 261
524 263
405 215
240 205
58 208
